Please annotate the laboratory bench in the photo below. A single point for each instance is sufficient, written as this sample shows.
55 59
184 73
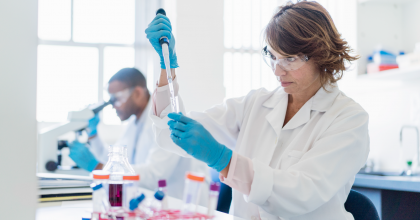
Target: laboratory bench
395 197
76 210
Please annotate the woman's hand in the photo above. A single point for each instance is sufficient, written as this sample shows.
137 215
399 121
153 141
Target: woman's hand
191 136
160 27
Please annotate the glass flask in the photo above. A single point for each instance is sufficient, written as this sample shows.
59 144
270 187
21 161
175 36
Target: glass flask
117 166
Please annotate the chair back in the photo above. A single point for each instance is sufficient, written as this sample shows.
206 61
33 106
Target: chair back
360 206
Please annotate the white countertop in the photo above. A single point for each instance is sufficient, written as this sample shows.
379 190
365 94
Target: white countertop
76 210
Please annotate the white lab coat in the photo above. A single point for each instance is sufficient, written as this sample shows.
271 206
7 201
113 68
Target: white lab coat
150 161
316 169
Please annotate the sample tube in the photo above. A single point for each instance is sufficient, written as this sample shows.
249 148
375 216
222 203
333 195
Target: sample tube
174 104
193 182
130 189
162 187
213 198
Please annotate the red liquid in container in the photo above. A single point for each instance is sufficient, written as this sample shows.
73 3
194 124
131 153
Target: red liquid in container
115 195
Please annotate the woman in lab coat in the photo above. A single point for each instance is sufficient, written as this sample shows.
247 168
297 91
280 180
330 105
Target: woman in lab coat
291 153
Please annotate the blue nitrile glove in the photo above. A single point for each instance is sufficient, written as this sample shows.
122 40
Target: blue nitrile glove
93 126
159 27
82 156
191 136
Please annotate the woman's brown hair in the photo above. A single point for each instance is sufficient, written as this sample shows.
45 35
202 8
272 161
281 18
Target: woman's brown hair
306 28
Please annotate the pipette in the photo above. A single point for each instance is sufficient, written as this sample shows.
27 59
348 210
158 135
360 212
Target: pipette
164 42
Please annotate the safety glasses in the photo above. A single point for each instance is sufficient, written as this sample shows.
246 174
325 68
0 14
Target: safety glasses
287 64
119 98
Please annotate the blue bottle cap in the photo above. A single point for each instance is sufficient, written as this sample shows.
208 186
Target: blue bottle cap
159 195
134 203
96 186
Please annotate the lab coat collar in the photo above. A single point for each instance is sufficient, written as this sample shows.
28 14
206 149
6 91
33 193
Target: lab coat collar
321 101
301 117
274 99
145 114
278 102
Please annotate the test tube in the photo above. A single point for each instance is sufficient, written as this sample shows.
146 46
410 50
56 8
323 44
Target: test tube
213 198
193 182
175 104
130 189
162 187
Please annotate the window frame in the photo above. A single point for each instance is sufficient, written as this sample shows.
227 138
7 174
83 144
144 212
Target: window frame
144 54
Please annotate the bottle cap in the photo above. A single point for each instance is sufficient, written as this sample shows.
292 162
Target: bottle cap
159 195
100 175
134 203
135 177
96 186
195 177
214 186
162 183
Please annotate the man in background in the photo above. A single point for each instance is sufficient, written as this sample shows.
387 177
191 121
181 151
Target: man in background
132 103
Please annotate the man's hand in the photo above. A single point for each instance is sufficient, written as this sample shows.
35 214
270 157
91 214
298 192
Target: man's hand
82 156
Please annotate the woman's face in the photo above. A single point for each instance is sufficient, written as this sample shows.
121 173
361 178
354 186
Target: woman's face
297 81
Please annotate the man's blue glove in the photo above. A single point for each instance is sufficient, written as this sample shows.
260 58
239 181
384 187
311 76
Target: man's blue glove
191 136
159 27
82 156
92 128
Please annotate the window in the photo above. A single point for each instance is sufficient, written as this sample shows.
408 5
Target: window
81 45
244 21
244 68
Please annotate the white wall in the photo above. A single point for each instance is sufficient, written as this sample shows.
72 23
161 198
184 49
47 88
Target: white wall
199 47
390 103
411 32
390 106
18 42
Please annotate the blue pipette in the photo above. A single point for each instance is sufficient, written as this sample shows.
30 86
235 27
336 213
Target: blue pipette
164 42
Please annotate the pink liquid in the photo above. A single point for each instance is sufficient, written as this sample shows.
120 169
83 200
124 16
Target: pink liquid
115 195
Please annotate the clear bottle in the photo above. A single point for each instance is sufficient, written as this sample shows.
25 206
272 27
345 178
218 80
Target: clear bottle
213 198
162 187
130 189
100 201
117 166
156 204
193 182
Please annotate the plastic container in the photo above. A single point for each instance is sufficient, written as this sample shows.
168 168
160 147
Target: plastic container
193 182
135 202
162 187
213 198
156 204
100 201
130 189
100 176
117 166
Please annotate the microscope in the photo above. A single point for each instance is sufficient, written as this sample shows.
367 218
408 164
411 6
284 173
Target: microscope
49 147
